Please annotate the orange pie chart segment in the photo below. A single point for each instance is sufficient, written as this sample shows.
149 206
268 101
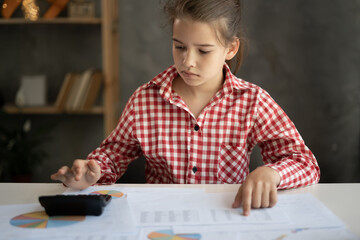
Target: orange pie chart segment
112 193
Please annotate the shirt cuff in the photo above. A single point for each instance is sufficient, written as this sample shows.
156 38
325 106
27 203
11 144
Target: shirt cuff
278 169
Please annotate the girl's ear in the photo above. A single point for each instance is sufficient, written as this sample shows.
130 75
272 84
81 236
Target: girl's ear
232 49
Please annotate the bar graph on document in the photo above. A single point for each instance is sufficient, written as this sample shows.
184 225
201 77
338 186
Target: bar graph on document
162 217
166 217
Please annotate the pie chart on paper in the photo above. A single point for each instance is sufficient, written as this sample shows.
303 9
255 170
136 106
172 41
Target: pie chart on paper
168 235
42 220
112 193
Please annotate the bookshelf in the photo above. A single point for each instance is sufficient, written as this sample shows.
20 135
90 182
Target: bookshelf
52 21
109 48
12 109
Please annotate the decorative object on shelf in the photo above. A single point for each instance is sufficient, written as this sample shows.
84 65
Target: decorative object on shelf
20 150
8 7
81 9
32 91
56 8
30 9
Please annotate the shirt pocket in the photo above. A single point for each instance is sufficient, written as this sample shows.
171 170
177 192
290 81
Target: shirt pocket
233 166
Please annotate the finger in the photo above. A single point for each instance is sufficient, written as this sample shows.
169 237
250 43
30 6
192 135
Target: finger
93 172
257 196
273 197
265 198
77 168
246 201
77 172
63 171
93 166
61 174
55 176
237 200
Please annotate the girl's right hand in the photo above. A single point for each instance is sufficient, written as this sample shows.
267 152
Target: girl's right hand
81 175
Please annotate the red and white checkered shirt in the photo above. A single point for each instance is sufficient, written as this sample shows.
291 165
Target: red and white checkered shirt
215 147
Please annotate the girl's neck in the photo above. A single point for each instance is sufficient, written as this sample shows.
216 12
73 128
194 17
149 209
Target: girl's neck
209 89
196 97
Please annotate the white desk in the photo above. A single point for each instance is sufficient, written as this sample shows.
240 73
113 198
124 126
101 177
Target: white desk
342 199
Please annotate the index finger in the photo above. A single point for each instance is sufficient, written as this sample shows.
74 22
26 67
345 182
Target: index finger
237 200
61 174
246 201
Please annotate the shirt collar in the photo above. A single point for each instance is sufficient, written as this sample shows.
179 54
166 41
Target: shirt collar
232 82
164 82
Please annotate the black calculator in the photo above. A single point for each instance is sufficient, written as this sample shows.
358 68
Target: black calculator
75 205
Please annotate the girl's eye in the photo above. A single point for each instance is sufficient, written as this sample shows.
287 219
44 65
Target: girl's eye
204 52
179 47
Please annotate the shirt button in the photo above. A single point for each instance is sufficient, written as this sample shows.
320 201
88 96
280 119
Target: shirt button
196 128
194 169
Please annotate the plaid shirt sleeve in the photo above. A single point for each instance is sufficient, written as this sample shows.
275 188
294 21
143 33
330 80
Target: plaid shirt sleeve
118 149
282 147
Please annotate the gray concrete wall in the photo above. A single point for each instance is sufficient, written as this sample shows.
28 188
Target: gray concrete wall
305 53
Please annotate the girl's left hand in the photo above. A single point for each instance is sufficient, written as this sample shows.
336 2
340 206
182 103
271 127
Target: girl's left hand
259 190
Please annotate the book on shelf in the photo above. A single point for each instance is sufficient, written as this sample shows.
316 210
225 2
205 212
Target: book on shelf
79 91
93 90
65 90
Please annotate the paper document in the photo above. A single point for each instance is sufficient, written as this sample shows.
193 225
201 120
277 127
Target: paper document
31 221
302 211
291 234
176 213
197 208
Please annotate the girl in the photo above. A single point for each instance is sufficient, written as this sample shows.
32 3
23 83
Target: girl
197 123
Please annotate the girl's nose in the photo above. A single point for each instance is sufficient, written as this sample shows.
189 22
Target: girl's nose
189 59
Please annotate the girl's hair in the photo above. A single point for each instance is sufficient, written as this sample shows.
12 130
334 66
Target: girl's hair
225 15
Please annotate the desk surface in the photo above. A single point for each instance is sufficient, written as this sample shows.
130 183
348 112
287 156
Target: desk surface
342 199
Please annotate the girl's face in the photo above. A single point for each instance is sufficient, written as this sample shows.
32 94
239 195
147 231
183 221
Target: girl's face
198 54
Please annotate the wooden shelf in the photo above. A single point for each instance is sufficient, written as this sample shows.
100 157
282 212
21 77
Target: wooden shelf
97 110
52 21
110 61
